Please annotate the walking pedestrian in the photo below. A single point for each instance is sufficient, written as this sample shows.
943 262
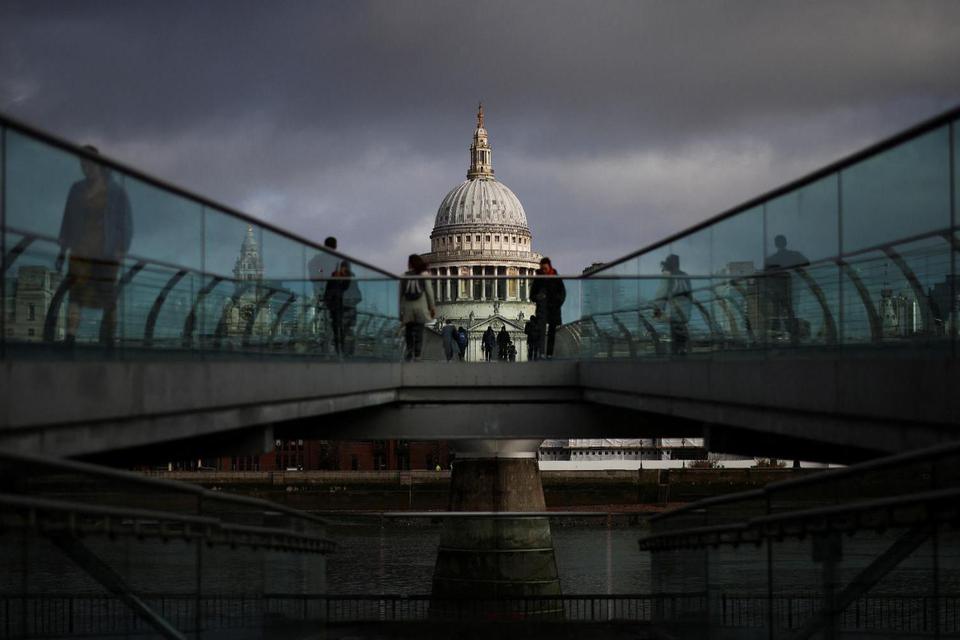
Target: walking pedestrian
489 344
417 306
549 294
503 343
449 336
462 342
532 330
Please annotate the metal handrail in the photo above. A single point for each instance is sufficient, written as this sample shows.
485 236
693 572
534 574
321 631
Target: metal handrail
70 147
207 524
917 130
825 477
762 526
84 468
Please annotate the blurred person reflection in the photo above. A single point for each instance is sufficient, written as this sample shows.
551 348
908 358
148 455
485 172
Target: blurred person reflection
319 270
417 306
341 297
778 289
95 234
673 301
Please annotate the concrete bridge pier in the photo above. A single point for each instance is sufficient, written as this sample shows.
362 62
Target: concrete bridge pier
508 559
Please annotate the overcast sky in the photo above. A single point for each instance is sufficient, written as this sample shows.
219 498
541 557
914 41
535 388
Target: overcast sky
616 123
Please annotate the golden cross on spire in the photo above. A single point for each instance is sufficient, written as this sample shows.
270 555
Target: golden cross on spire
480 116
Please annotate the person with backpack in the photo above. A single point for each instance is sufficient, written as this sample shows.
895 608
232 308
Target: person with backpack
673 301
462 343
549 295
417 306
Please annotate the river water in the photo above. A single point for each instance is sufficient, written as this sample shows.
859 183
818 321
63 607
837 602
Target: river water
397 557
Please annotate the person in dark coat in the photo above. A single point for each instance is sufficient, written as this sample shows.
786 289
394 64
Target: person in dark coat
489 342
549 294
503 343
449 337
462 342
532 330
96 231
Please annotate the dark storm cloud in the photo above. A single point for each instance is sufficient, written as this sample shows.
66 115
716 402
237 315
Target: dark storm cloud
615 123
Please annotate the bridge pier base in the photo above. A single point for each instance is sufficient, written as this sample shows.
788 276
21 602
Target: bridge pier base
496 566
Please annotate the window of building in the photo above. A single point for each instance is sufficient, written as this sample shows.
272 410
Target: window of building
488 238
30 332
31 312
496 238
478 238
478 284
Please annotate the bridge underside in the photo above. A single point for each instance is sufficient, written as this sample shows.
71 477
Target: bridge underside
816 407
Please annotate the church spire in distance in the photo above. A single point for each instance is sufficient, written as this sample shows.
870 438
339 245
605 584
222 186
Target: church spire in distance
481 155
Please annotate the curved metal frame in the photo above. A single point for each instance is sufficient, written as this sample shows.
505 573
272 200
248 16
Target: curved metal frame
283 309
926 313
262 300
829 324
50 322
190 323
151 323
873 318
15 252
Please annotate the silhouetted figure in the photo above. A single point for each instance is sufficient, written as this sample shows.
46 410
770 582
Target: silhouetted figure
449 337
549 295
673 301
341 297
320 268
512 352
503 343
532 331
778 288
462 340
96 231
417 306
489 343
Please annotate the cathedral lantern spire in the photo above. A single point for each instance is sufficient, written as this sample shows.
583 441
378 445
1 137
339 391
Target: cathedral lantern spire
481 155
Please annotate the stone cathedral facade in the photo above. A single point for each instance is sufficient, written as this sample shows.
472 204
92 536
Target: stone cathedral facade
481 230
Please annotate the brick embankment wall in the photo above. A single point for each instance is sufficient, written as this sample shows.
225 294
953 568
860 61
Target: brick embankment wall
615 490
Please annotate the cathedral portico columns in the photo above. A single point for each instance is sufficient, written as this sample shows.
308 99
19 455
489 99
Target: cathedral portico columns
509 559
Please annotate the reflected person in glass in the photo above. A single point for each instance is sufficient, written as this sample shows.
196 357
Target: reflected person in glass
674 301
319 269
417 306
341 297
96 232
781 319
